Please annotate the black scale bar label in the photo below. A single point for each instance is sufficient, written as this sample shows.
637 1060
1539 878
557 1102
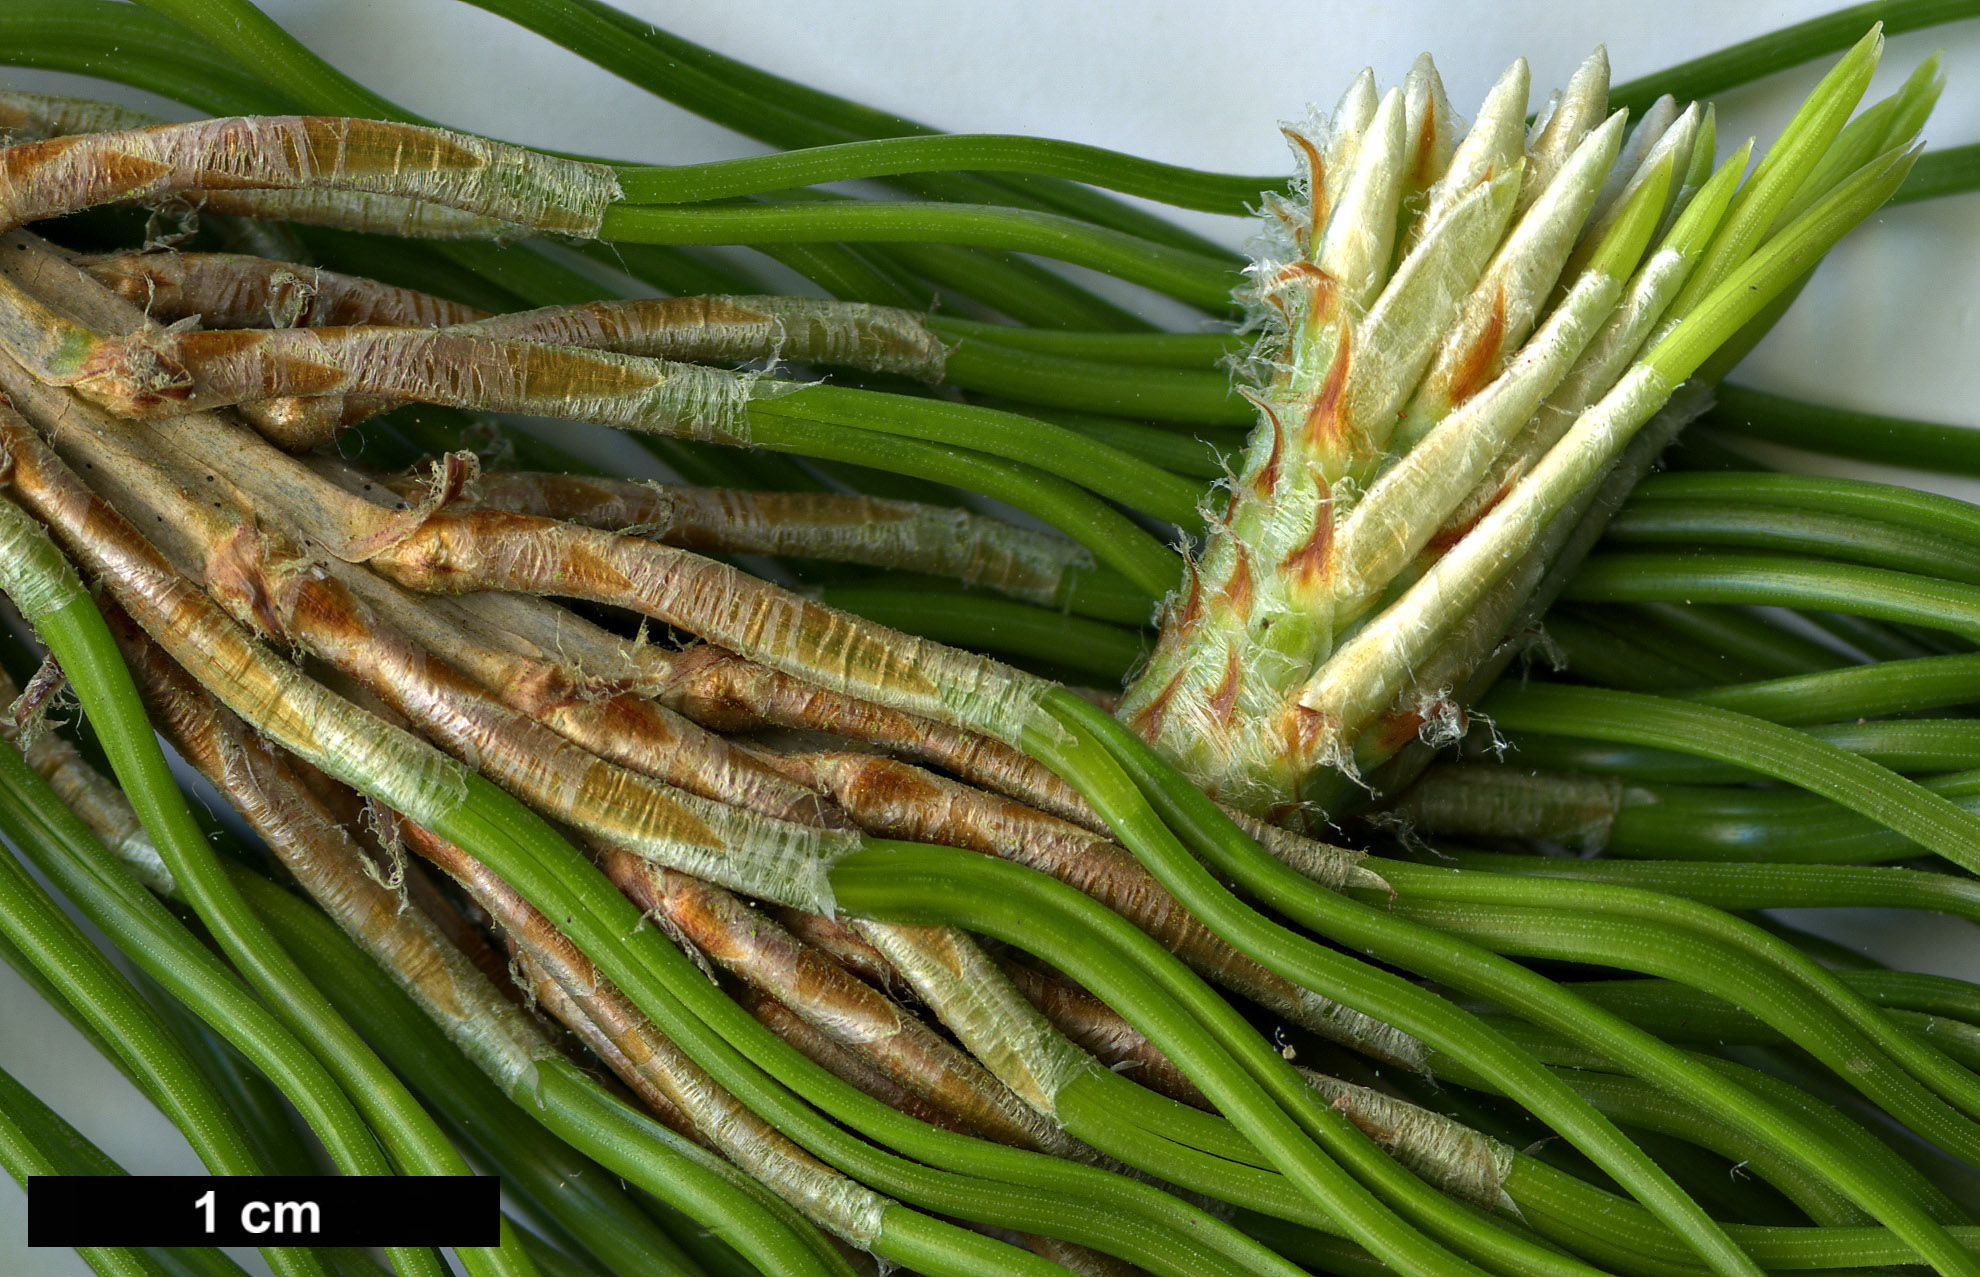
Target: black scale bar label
272 1210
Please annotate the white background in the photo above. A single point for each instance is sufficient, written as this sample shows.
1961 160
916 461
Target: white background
1889 323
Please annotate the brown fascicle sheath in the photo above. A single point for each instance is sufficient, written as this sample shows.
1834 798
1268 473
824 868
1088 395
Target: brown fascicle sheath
858 1017
896 800
652 1063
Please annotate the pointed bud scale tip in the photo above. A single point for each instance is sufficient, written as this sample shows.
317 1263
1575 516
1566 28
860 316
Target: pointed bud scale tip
1493 144
1662 113
1350 121
1544 115
1581 106
1357 104
1355 249
1592 74
1328 142
1530 260
1427 111
1577 107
